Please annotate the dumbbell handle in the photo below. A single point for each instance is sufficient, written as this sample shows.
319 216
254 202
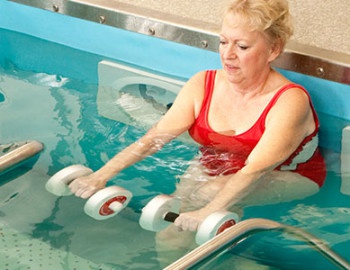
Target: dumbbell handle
116 206
170 216
58 183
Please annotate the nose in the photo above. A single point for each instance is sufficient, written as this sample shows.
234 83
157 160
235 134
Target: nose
228 51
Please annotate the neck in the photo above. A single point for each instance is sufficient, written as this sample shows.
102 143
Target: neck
254 86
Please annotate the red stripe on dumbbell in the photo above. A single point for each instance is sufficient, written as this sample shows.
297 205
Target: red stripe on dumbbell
226 225
105 210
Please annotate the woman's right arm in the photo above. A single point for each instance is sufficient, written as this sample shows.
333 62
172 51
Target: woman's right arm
177 120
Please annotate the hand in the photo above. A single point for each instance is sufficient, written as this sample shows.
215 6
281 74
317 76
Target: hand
86 186
190 221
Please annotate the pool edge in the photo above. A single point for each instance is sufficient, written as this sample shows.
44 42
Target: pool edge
308 60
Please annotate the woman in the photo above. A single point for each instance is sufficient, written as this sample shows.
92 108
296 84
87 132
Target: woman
257 129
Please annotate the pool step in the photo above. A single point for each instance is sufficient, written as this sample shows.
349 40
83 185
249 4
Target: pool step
20 251
345 161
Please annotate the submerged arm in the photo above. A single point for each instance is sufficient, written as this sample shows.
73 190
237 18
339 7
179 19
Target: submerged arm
288 123
176 121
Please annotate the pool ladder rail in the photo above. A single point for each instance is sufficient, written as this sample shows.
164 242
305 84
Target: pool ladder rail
242 230
14 154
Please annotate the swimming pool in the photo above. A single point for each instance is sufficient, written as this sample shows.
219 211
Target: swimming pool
50 83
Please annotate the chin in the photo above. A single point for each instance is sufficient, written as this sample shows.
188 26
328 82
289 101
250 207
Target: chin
233 78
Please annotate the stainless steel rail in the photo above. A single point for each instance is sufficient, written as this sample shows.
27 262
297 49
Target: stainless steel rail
13 154
309 60
244 229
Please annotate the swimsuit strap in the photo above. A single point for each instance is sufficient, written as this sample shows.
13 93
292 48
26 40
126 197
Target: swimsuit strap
284 89
208 90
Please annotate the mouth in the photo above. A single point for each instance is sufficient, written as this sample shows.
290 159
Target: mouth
231 67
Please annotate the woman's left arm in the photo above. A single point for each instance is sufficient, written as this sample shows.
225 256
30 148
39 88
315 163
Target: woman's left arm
288 123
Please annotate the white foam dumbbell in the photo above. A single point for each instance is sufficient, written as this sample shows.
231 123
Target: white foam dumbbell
104 204
163 209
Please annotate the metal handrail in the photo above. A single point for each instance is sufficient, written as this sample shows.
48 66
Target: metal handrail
13 154
246 228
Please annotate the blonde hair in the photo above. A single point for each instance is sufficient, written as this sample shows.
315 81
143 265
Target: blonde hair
269 16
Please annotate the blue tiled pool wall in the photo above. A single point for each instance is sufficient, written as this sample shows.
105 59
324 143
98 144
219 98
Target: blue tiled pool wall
94 42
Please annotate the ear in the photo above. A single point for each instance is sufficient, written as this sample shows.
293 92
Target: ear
275 50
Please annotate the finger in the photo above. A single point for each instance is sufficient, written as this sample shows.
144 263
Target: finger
86 194
79 191
185 224
179 229
193 226
74 186
178 222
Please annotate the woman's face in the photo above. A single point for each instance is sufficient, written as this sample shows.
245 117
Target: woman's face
245 55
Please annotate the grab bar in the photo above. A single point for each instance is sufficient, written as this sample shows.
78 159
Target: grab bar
243 230
14 153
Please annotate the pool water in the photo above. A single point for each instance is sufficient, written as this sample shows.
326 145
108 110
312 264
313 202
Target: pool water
61 113
40 230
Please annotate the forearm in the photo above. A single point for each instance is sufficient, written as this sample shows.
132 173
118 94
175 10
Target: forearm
127 157
238 186
149 144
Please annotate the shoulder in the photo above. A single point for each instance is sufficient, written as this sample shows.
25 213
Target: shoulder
193 89
293 103
286 90
195 85
293 93
198 78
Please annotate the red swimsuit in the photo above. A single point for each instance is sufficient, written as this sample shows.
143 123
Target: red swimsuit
223 154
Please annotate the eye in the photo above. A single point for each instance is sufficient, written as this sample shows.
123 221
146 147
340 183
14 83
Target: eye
223 42
242 47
